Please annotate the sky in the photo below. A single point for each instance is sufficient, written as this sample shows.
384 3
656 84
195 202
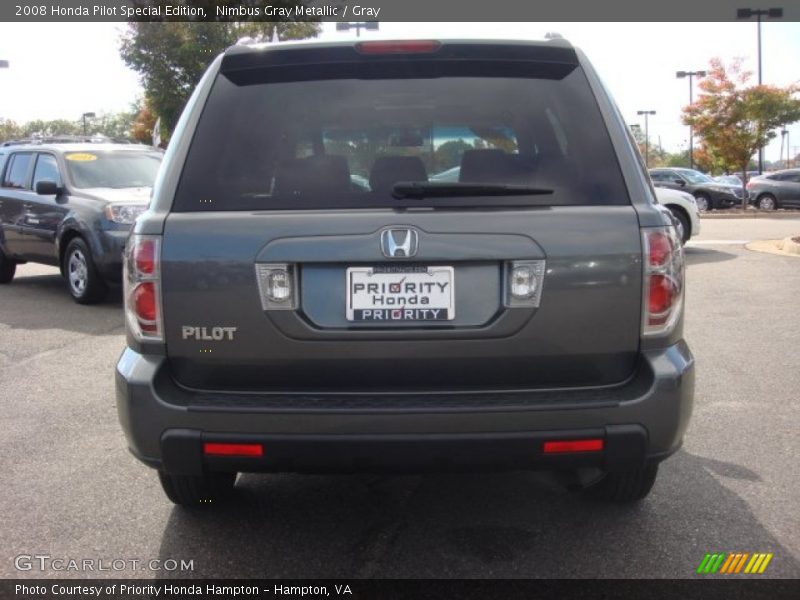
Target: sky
637 61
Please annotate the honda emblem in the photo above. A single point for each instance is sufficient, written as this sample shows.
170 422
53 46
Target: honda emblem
399 243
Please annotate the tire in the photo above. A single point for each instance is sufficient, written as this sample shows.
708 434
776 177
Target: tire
7 268
767 202
83 280
703 202
194 491
685 229
625 486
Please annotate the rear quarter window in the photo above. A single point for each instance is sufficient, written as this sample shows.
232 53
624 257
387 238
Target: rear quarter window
329 142
16 174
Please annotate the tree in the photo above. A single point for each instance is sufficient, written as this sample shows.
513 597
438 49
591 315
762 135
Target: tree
734 121
171 57
678 159
9 130
113 125
656 157
143 123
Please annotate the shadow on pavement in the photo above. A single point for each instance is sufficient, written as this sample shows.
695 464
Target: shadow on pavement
43 302
696 255
478 525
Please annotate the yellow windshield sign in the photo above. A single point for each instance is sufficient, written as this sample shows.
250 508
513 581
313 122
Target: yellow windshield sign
81 156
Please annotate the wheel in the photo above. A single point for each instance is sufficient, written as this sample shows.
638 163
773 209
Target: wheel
197 490
625 486
7 268
767 202
703 202
83 281
683 226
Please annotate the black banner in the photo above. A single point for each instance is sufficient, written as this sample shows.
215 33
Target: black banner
396 589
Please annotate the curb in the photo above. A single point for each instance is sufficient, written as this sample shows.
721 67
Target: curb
784 247
751 214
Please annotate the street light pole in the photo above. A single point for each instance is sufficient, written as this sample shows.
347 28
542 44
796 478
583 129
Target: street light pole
646 114
87 114
691 75
748 13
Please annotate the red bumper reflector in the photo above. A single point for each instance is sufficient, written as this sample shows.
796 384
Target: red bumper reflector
565 446
211 449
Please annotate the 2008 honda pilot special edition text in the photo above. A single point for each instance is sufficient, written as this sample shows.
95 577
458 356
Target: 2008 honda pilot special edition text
403 255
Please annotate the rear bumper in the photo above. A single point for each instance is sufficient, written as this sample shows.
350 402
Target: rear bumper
642 420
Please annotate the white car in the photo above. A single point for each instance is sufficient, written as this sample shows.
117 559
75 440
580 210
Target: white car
684 208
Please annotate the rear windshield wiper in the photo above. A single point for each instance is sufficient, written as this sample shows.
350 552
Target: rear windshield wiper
431 189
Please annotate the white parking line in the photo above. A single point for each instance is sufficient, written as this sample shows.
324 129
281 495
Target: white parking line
717 242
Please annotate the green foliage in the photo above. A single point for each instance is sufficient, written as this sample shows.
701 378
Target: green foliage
733 121
677 159
113 125
9 130
171 57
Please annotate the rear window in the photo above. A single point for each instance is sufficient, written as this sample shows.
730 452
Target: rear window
332 143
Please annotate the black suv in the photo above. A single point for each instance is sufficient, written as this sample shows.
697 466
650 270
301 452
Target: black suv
71 204
300 296
708 193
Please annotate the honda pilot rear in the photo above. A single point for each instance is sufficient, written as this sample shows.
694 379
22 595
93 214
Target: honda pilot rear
403 256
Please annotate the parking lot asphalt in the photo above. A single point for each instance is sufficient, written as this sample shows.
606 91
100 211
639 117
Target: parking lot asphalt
71 490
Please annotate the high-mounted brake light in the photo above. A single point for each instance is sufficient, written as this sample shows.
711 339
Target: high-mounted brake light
142 281
399 47
662 280
568 446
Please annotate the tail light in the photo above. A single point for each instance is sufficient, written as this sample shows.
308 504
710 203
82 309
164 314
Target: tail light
142 281
663 280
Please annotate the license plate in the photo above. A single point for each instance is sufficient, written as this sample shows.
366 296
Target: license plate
400 293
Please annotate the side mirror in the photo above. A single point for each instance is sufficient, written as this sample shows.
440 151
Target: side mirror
47 188
680 182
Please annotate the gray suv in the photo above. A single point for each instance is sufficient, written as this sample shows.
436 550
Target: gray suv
301 296
71 204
